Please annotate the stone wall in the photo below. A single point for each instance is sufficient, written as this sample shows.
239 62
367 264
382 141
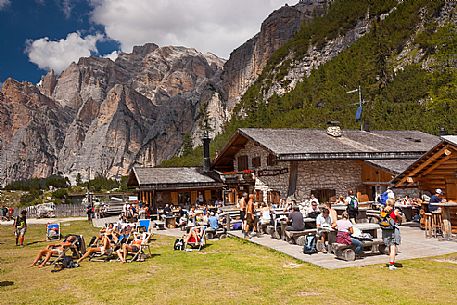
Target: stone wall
340 175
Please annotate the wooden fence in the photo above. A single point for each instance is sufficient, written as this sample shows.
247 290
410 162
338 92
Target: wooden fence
60 210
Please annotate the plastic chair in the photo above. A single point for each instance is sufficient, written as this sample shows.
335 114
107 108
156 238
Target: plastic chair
146 223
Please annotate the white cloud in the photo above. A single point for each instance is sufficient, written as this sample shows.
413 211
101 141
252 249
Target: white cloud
4 3
57 55
112 56
217 26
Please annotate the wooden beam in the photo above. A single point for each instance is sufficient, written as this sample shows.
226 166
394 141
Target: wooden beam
423 165
438 163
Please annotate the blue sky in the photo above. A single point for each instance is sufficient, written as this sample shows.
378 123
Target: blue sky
24 20
38 35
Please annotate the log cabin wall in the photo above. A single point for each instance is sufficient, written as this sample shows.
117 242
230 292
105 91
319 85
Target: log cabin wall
436 169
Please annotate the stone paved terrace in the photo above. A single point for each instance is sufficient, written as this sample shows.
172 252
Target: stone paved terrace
414 245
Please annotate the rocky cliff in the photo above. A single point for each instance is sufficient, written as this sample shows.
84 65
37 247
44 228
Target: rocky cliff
107 116
247 62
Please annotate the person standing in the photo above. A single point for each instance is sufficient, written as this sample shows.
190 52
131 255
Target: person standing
250 215
391 233
243 204
20 227
352 206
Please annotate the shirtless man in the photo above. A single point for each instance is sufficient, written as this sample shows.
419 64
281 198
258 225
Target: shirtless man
53 249
103 249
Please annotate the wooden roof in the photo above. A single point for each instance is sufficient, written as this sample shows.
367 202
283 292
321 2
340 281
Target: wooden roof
164 178
393 166
316 144
435 165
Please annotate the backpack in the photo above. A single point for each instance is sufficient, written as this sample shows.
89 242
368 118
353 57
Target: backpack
310 244
67 262
179 244
386 223
383 198
353 204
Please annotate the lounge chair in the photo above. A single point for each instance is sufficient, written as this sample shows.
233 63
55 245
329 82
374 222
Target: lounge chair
195 243
140 254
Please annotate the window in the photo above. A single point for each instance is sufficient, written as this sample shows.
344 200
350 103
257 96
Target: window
256 162
323 195
271 160
243 163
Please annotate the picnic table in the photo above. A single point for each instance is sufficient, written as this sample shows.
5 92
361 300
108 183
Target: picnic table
371 228
361 216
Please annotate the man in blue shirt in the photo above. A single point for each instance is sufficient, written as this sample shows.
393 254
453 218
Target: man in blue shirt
436 198
213 221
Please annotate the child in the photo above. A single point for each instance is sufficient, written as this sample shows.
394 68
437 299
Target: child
20 227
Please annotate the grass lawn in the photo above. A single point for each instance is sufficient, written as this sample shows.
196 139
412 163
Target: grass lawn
228 271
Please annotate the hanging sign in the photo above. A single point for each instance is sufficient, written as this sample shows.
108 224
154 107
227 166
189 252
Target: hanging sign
272 172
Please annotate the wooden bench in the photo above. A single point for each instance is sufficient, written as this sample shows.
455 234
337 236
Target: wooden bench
347 253
298 237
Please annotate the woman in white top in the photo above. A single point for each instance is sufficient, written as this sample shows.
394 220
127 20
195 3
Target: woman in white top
345 229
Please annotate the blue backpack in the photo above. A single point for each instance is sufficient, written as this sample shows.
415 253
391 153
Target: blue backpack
383 198
310 244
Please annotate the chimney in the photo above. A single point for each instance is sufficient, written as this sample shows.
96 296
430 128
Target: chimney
443 131
334 129
206 157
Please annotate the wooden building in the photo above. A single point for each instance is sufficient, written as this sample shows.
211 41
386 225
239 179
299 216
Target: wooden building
435 169
279 163
178 186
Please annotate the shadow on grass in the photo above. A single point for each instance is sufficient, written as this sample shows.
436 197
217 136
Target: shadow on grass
6 283
35 242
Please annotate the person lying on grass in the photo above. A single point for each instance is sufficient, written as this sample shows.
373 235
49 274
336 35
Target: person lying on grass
133 247
53 249
105 248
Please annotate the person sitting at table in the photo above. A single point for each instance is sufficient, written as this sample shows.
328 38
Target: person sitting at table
436 198
343 236
323 225
313 210
167 210
296 219
332 212
406 200
213 221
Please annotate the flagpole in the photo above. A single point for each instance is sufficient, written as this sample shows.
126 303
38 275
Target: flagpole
360 105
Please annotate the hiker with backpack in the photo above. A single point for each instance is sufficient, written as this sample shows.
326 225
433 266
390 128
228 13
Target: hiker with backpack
352 206
390 217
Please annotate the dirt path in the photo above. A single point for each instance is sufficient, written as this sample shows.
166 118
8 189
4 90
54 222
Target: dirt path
43 221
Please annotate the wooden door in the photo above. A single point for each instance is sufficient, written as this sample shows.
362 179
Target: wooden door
207 196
